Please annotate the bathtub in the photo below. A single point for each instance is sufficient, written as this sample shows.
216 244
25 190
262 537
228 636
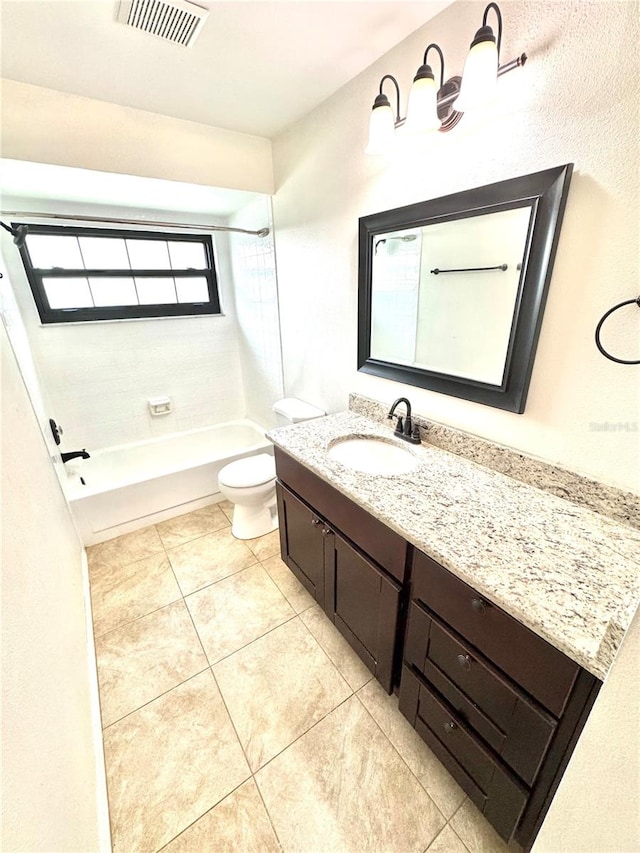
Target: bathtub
133 485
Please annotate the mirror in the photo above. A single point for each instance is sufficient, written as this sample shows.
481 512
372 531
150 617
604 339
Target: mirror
451 291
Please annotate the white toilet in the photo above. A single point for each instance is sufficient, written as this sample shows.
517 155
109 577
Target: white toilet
250 483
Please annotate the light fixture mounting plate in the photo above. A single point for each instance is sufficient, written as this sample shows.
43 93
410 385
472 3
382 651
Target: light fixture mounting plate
446 112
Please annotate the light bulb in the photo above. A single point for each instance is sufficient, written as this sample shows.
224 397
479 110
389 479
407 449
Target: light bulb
381 130
422 109
479 77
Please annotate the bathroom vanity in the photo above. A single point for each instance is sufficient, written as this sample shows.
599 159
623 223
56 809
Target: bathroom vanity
494 609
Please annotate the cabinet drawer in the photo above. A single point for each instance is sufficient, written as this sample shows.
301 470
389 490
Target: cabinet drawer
496 792
386 547
514 726
542 670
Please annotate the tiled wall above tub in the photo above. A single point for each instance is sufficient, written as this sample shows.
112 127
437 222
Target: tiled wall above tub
99 376
256 304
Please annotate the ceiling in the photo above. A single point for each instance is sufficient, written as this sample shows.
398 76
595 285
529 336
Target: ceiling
257 67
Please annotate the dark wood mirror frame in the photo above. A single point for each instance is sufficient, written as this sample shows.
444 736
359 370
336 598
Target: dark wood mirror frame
547 192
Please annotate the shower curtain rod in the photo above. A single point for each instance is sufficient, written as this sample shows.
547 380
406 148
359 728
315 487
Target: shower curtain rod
261 232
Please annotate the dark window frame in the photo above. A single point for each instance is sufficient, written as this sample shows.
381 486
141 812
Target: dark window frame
36 276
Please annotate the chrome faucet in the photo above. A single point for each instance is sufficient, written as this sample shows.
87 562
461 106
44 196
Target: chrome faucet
75 454
405 430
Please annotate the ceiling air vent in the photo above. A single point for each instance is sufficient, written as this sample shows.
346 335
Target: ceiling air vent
172 20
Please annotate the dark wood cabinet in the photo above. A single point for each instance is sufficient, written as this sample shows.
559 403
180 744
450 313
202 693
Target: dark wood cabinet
302 542
356 589
364 604
499 706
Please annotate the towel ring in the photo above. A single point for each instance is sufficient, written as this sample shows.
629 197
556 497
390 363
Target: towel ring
635 301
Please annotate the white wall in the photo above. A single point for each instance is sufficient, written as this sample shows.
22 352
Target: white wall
576 100
46 126
49 757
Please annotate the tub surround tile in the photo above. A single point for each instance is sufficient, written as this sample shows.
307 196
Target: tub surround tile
346 661
143 659
124 550
431 774
277 688
168 763
120 595
238 823
559 568
184 528
208 559
621 506
237 610
288 584
265 546
343 787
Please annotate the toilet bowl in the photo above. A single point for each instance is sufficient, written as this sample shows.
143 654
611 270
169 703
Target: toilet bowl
250 483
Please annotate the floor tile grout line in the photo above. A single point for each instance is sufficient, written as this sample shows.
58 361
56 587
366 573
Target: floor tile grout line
270 819
327 655
404 762
317 722
159 696
291 604
121 625
210 809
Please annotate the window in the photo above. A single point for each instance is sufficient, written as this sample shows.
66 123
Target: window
79 274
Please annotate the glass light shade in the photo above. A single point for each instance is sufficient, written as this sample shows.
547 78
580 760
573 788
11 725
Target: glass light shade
479 77
381 130
422 109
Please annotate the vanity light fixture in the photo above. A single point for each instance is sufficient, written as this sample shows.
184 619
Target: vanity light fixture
432 108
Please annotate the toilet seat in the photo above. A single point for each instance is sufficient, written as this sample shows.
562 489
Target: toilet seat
252 471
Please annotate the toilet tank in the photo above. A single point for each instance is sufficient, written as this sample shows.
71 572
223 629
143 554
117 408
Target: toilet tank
294 411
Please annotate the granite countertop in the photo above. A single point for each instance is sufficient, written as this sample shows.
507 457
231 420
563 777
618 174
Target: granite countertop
566 572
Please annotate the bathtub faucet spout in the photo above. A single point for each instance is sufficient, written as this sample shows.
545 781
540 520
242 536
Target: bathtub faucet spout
76 454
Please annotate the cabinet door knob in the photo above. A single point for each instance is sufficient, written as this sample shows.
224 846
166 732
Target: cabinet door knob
326 531
465 661
315 522
449 727
478 605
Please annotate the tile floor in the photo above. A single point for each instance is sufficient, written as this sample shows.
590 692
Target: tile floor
236 718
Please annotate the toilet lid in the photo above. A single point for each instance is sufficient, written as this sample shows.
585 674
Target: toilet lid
252 471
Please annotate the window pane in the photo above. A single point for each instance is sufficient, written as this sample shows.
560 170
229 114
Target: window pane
104 253
113 291
185 256
148 255
68 292
156 291
192 289
52 250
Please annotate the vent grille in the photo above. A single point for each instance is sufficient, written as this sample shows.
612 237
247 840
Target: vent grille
175 20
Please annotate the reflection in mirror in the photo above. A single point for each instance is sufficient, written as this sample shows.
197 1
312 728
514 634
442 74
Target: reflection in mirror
446 284
451 291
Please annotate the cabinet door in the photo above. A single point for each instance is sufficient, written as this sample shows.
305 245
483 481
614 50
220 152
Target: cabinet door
364 605
301 541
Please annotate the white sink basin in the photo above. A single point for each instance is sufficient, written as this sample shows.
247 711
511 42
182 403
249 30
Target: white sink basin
372 456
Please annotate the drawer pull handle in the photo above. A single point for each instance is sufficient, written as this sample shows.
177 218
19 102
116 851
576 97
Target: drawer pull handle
449 727
478 605
315 522
465 661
